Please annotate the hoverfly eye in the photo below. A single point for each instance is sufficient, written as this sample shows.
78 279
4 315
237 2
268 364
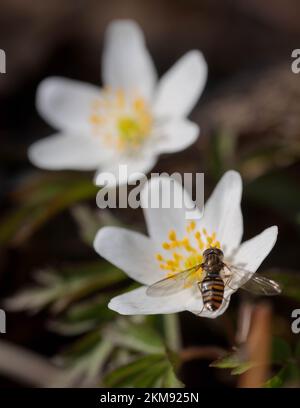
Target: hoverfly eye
220 254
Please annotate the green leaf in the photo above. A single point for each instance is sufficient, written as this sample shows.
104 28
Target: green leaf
86 369
72 283
169 380
288 374
83 345
39 199
277 380
89 310
150 377
231 360
235 361
83 316
130 372
90 221
242 368
149 371
140 337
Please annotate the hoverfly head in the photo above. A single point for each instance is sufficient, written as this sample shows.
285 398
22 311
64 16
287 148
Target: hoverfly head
213 253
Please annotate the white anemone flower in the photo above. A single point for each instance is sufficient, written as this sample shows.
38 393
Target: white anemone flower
131 120
175 244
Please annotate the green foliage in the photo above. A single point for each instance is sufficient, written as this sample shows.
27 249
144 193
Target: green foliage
154 370
235 361
40 198
82 317
282 357
132 354
61 288
90 221
139 337
289 374
288 361
85 360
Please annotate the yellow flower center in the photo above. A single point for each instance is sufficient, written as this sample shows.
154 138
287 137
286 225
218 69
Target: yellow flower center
185 253
122 120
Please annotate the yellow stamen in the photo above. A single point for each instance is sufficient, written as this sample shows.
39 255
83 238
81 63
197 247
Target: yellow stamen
178 257
187 255
166 246
125 116
96 119
201 244
120 98
172 235
192 225
139 104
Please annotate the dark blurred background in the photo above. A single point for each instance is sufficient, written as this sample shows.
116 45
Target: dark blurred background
249 116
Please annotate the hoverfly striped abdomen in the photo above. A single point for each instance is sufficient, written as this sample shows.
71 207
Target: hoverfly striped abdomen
212 289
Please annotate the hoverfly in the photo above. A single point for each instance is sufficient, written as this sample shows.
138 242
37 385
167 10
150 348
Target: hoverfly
212 286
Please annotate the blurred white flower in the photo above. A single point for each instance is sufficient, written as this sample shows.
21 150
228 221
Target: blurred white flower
130 121
174 245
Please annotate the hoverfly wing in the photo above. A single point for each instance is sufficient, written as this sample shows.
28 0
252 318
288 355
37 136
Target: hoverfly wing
172 284
260 285
254 283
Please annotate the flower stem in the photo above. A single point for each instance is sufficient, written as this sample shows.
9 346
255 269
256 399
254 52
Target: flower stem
172 331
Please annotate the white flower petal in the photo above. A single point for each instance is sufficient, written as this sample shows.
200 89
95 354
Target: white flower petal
179 89
251 253
161 220
176 135
126 62
222 212
137 302
66 104
59 152
125 170
130 251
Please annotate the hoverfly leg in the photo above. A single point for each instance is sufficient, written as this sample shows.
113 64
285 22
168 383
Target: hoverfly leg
199 314
227 283
199 287
229 276
225 302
